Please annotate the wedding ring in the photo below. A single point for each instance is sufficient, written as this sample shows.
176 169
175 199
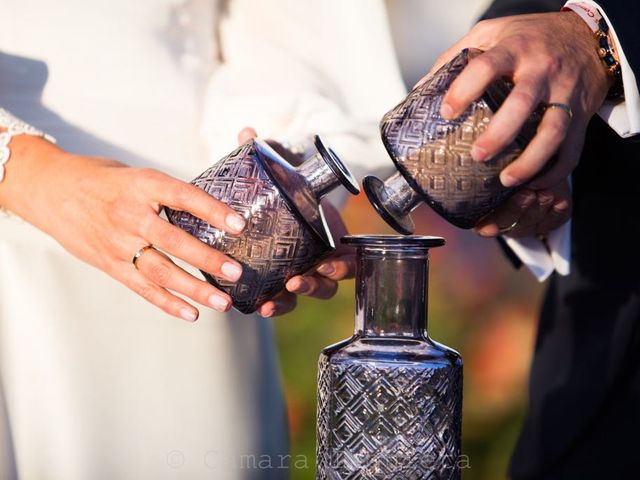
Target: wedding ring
139 253
509 228
562 106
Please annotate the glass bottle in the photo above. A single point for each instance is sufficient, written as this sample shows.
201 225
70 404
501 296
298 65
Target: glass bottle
389 397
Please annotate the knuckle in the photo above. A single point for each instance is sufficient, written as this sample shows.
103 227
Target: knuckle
484 25
518 41
486 63
160 273
524 98
144 175
200 293
211 263
145 225
184 193
551 64
174 240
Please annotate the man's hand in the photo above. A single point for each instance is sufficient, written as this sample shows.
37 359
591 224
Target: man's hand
551 57
529 213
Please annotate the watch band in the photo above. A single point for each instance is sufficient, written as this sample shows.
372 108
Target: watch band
606 50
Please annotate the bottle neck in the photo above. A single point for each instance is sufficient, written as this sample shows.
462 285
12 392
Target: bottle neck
391 292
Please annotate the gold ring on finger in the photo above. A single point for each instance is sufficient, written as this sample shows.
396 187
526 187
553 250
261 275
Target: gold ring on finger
139 253
562 106
509 228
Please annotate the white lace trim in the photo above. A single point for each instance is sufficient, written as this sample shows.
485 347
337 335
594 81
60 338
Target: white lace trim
14 127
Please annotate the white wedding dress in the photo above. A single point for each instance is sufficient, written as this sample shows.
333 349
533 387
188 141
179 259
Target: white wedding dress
94 382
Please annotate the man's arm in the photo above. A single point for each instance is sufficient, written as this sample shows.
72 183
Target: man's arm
504 8
624 18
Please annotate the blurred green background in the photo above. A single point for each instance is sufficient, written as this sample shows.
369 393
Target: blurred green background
478 304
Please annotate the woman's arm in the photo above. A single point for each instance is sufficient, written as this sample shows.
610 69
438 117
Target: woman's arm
103 211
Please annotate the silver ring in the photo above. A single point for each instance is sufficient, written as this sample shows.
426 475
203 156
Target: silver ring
139 253
509 228
562 106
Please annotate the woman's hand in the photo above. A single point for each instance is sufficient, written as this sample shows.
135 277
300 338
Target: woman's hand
551 57
322 283
103 212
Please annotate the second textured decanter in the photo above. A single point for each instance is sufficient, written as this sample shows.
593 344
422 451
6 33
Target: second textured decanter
389 398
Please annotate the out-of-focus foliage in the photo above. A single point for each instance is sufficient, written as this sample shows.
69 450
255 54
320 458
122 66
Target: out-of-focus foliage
478 304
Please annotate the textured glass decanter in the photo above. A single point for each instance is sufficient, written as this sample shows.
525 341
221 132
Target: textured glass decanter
389 398
433 155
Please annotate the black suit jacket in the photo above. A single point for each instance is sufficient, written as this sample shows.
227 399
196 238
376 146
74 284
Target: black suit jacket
584 392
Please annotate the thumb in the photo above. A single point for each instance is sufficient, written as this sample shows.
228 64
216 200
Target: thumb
245 134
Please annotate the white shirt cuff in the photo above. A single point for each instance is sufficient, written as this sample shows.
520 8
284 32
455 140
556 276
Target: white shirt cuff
537 259
623 116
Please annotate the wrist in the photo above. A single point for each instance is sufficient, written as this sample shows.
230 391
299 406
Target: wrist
29 174
604 44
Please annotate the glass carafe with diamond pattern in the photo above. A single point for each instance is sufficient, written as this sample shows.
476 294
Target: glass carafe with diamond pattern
389 398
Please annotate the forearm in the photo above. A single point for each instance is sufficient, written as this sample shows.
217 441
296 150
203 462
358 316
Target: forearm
38 176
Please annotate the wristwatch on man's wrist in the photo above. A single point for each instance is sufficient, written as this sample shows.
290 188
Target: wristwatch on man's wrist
605 44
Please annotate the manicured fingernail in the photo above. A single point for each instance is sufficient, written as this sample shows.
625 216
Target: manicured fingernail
219 303
508 180
478 153
446 111
235 222
488 231
302 287
232 271
561 206
188 314
326 269
268 314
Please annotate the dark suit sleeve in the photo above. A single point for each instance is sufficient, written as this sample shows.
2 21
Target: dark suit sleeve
623 15
504 8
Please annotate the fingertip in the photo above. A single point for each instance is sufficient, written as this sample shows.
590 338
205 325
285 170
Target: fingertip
219 302
235 222
447 112
561 206
326 269
232 270
189 314
298 285
489 230
478 153
267 309
246 133
508 180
